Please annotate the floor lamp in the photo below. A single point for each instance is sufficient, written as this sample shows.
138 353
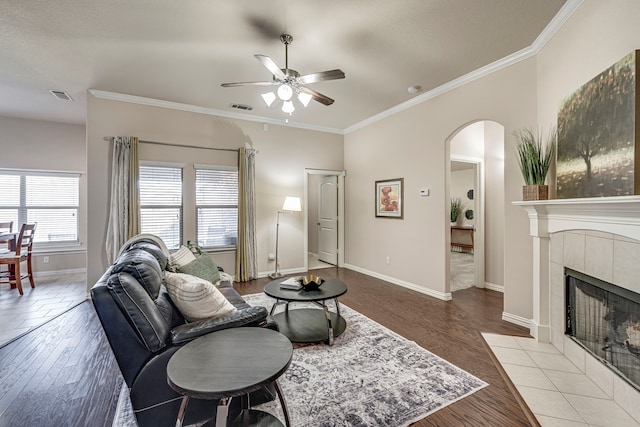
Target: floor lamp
291 204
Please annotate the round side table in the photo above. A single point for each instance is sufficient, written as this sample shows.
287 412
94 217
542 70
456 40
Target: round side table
229 363
308 325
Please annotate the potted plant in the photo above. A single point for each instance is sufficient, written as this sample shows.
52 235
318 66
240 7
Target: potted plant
534 158
456 210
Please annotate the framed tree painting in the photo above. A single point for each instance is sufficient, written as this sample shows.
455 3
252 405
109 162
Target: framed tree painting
598 134
389 203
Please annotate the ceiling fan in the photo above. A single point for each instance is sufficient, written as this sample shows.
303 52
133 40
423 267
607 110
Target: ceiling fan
290 82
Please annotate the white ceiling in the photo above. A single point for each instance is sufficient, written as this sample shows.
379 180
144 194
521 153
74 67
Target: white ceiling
181 51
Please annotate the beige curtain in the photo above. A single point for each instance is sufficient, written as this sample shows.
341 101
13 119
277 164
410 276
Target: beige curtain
246 260
124 208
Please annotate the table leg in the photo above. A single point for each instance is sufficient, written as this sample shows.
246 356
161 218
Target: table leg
277 303
327 315
183 408
223 412
283 403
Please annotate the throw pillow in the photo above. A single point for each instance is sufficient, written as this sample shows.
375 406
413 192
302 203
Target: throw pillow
182 256
196 298
202 267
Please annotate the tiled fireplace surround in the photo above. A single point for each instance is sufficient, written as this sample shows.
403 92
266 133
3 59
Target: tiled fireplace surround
596 236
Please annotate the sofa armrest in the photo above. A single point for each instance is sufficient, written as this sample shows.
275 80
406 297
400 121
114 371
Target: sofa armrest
251 316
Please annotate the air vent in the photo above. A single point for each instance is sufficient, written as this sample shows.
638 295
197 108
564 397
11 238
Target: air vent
60 95
241 107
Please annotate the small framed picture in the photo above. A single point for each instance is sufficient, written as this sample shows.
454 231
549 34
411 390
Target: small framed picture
389 198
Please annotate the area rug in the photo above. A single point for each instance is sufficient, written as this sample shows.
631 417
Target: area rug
371 376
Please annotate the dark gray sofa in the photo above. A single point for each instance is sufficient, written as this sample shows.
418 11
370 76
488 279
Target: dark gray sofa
145 329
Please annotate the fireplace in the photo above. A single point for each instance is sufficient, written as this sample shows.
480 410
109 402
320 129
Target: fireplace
599 238
604 319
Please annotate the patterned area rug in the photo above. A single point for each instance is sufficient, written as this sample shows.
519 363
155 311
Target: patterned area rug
371 376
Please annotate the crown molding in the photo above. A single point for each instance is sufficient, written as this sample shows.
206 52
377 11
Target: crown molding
550 30
133 99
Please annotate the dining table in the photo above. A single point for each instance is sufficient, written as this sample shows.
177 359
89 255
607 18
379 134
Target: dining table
10 240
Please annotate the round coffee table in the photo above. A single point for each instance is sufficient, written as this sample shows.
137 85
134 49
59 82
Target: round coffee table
229 363
309 325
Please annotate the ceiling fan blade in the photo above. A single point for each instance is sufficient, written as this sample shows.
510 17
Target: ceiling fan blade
271 83
271 66
321 76
317 96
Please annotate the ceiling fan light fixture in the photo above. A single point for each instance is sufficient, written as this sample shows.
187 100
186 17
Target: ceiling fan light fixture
288 107
304 98
269 97
285 92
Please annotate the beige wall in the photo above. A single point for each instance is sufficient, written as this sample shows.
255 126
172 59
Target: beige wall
494 201
39 145
283 153
411 144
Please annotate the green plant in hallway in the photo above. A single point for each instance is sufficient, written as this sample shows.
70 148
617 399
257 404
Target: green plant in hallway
456 209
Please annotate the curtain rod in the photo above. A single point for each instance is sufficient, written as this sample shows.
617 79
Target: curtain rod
108 138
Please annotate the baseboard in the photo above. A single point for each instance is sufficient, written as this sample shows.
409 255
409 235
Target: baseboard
312 255
430 292
59 272
494 287
518 320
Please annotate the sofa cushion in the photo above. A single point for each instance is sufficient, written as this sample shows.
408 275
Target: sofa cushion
144 267
140 310
196 298
202 267
182 256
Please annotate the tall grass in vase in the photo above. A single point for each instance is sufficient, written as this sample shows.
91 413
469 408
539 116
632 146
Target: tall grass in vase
534 155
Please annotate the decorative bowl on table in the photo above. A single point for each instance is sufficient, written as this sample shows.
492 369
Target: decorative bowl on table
310 282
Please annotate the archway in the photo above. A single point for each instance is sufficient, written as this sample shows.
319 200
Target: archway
479 145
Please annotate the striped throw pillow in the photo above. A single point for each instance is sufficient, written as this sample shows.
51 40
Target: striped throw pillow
196 298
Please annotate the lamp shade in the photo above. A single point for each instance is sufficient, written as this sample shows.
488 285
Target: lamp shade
288 107
285 92
304 98
292 204
269 97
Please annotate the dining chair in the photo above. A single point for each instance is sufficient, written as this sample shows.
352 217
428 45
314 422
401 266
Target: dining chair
6 227
15 258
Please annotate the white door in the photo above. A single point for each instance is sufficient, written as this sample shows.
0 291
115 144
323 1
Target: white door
328 220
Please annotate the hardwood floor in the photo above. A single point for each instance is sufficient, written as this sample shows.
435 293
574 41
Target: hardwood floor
60 374
63 373
450 329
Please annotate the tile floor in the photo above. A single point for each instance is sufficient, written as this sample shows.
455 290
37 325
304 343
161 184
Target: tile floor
314 263
555 390
461 271
52 296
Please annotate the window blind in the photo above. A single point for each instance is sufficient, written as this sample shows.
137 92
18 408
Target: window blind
49 199
161 203
217 207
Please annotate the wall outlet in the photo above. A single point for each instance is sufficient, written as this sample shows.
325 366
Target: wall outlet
45 259
388 260
272 257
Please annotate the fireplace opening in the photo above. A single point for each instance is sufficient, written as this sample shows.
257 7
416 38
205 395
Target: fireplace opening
605 320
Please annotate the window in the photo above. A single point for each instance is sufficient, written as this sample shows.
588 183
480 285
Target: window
49 199
161 203
216 206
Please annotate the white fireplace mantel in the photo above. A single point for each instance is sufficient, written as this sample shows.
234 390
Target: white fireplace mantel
616 215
